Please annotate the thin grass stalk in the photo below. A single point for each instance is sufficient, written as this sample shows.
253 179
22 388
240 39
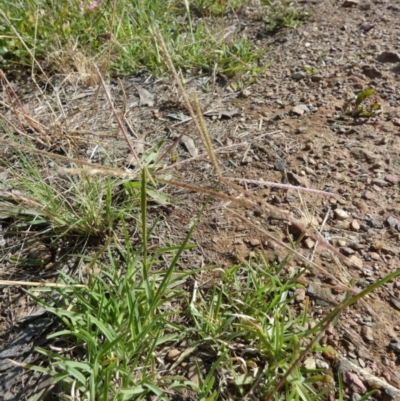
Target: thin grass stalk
200 125
205 136
325 323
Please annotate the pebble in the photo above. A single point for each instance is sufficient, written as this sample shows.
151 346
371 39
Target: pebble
326 255
369 195
392 179
322 364
361 205
309 243
317 78
355 225
173 354
300 109
371 72
374 256
300 295
367 333
379 182
389 57
298 75
254 242
391 221
310 363
350 3
311 290
342 225
356 262
347 251
340 214
374 223
395 346
280 166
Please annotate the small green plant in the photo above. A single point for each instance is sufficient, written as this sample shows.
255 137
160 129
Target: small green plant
120 34
282 14
364 105
84 204
310 69
120 321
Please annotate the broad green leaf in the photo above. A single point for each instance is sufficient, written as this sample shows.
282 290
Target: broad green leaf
363 95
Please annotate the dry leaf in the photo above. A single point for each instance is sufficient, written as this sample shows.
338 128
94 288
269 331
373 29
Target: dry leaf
145 97
189 145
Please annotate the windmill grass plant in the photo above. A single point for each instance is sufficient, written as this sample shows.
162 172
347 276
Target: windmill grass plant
133 322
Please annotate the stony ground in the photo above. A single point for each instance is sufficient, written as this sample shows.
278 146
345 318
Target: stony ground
297 127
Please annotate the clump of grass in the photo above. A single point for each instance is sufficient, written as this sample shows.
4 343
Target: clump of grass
85 205
282 14
118 32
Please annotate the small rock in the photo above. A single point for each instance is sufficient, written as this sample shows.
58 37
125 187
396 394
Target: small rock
389 57
280 166
371 72
300 109
396 122
356 262
300 295
311 290
392 179
309 145
350 3
309 243
374 256
310 363
374 223
298 75
347 251
361 205
340 214
317 78
395 346
367 333
355 225
173 354
299 180
391 221
326 255
377 246
379 182
322 364
245 93
342 225
366 27
361 153
254 242
369 195
240 228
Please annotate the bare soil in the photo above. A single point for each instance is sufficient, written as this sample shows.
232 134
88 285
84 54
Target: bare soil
293 122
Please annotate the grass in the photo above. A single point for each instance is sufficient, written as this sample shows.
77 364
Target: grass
118 32
134 322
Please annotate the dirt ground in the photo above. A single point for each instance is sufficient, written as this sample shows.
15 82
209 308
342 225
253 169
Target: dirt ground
291 128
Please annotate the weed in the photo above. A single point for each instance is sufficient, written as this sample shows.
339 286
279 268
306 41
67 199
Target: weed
364 105
98 30
282 14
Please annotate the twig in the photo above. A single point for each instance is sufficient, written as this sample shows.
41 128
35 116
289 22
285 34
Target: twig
284 186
